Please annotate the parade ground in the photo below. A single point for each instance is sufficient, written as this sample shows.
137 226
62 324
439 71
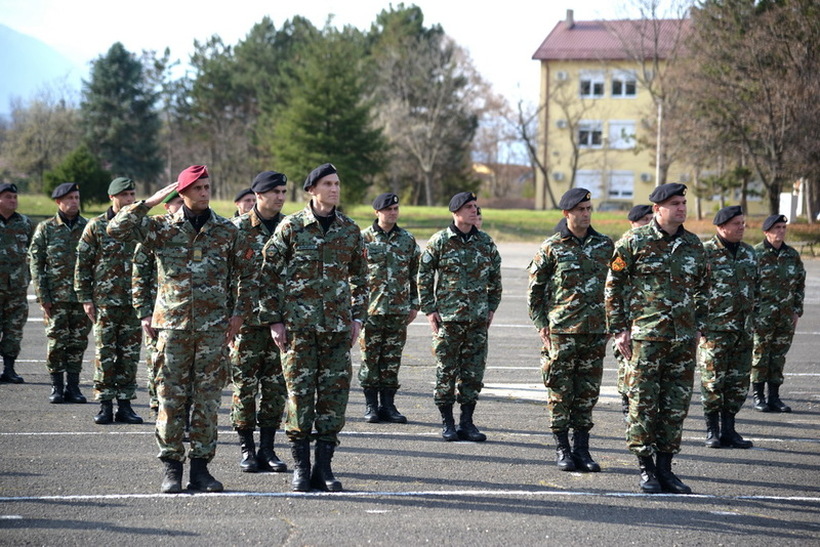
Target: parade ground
66 481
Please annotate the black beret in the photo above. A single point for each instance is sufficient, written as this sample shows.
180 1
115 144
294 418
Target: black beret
384 201
65 188
638 212
726 214
267 181
573 197
322 171
666 191
767 224
120 184
8 187
460 200
242 193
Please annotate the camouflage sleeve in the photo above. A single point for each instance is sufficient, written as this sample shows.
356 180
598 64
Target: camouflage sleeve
617 290
87 252
130 223
494 288
244 277
271 295
799 287
414 269
701 296
540 271
428 264
143 281
37 263
358 281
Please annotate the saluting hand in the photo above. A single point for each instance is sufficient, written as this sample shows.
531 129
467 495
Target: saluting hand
160 195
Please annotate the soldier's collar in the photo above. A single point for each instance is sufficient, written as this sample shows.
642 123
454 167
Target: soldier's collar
379 228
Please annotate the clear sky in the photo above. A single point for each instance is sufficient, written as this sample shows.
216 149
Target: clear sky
501 36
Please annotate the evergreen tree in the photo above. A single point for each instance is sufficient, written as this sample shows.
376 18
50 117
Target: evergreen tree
82 167
120 123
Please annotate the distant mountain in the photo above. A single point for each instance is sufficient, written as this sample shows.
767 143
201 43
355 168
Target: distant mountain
27 64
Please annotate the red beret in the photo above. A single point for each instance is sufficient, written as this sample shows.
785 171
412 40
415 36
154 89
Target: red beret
190 175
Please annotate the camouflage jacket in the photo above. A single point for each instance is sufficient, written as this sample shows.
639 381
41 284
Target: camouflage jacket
203 278
52 256
103 271
15 238
312 279
566 287
392 266
733 287
461 280
143 282
657 285
257 234
782 281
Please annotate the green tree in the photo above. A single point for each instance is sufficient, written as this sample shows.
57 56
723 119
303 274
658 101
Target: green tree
82 167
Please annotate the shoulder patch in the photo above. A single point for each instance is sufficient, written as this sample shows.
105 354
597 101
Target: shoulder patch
618 264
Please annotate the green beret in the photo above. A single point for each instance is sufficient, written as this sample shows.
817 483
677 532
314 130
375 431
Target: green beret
171 197
120 184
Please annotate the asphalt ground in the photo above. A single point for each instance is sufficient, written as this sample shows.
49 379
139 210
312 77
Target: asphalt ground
67 481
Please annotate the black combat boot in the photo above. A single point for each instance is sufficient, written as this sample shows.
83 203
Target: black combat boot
563 454
9 375
371 408
387 409
322 477
760 397
466 430
266 458
72 389
730 438
200 479
667 479
172 477
300 450
775 404
712 430
580 452
448 432
248 463
125 414
57 388
106 413
649 481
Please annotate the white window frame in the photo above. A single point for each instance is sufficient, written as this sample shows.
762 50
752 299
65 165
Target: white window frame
622 134
628 82
595 81
621 185
592 180
587 132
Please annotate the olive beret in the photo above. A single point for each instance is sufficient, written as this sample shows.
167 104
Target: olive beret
726 214
190 175
267 181
8 187
638 212
768 223
666 191
573 197
385 200
242 193
322 171
171 197
120 184
65 188
460 200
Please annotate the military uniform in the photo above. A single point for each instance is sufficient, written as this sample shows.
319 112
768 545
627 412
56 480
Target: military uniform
143 296
15 238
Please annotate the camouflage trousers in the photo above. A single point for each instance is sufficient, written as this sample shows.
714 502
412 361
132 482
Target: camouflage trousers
67 333
150 352
659 382
460 349
622 366
382 341
117 336
725 362
317 372
572 369
13 315
769 351
189 364
256 367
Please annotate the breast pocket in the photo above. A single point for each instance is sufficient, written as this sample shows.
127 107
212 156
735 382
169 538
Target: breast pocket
174 262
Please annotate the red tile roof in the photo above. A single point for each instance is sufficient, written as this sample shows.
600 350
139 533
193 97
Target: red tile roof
611 40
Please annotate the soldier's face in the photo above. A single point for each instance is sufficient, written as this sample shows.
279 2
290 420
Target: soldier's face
272 201
69 204
579 217
246 204
732 231
8 203
672 211
123 199
776 235
467 213
388 216
174 205
327 190
197 197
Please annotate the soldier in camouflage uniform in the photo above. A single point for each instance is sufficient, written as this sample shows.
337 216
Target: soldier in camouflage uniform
102 280
15 237
255 362
205 280
314 297
656 303
725 349
392 263
782 289
459 290
566 302
244 200
52 256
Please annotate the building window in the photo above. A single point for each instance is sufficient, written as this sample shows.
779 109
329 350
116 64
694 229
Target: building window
591 180
590 134
592 84
621 134
621 184
624 84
